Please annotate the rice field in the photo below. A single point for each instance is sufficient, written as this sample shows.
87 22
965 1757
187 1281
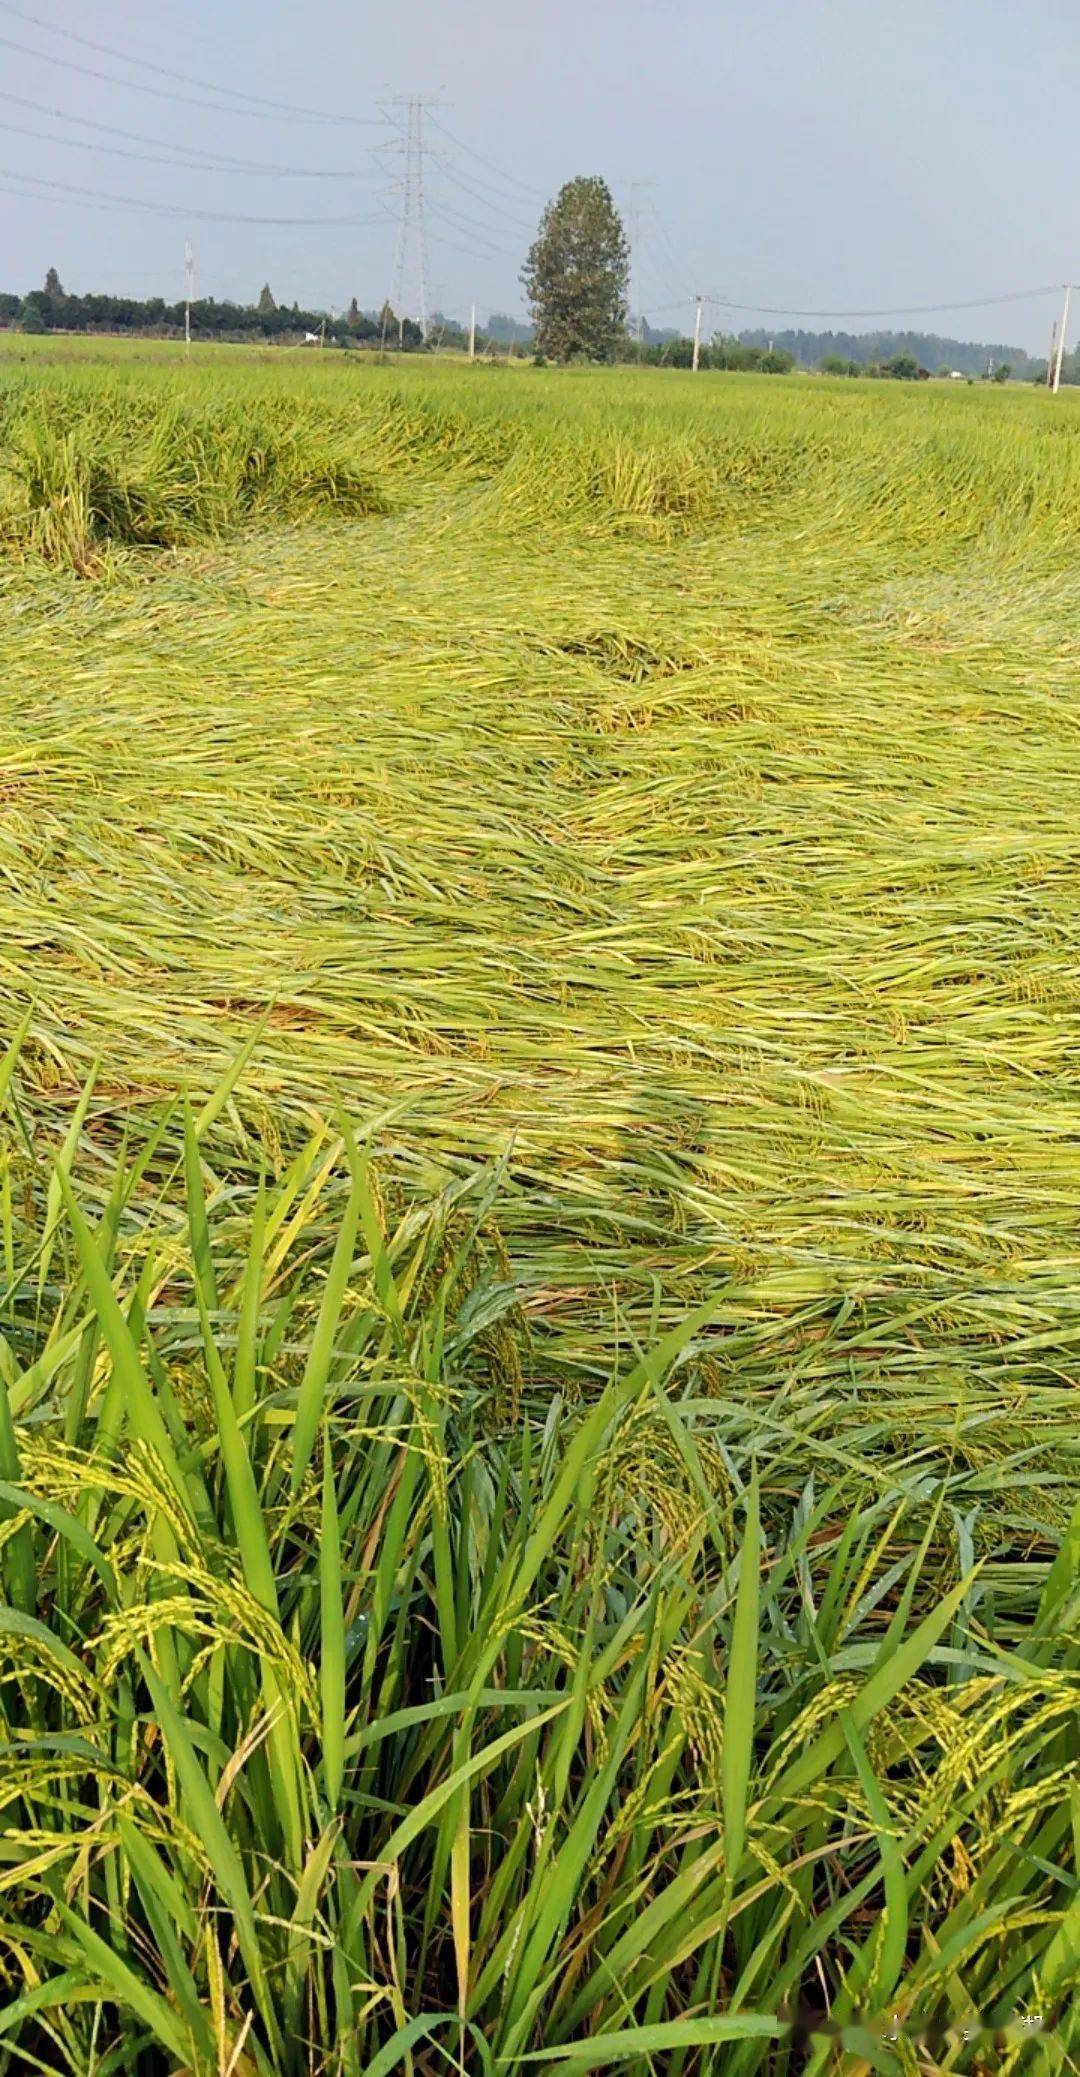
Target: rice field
539 1194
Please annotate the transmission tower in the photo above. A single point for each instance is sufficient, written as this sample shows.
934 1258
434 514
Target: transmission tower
637 208
409 284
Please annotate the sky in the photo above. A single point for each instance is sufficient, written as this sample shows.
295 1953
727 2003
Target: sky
798 155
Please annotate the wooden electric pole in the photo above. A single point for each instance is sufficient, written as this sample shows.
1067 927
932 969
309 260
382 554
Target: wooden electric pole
697 333
189 292
1061 340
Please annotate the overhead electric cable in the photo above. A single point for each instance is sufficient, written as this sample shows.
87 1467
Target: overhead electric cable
189 100
448 214
478 195
187 165
512 178
109 50
190 153
214 216
1020 295
469 251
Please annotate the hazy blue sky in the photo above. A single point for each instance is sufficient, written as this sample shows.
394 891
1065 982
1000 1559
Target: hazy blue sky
808 154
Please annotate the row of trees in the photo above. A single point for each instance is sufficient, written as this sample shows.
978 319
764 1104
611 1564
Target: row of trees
722 351
859 351
51 309
903 367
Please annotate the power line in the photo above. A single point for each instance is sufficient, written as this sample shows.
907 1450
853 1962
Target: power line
108 50
445 211
683 273
1020 295
512 178
469 252
132 86
198 157
213 216
680 303
478 195
472 251
475 248
187 165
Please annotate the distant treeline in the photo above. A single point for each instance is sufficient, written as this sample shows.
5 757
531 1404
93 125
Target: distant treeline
872 353
928 349
862 352
662 349
720 352
51 309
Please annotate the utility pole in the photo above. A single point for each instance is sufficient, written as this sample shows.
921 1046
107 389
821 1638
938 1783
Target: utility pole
189 292
322 333
472 333
698 300
412 235
1052 355
1061 339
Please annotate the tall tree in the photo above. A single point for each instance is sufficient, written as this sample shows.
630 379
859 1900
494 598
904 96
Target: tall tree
577 272
53 283
266 305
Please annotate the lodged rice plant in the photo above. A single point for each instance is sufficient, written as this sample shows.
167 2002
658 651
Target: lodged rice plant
538 1206
116 452
80 477
350 1716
